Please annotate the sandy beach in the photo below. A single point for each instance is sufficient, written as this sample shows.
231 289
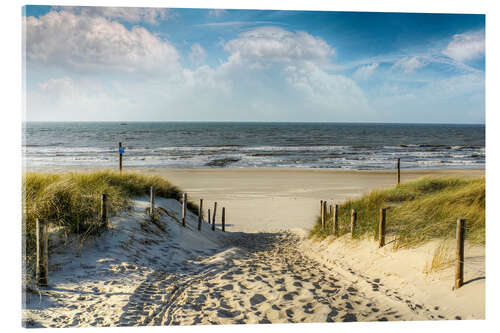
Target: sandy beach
273 199
223 166
263 270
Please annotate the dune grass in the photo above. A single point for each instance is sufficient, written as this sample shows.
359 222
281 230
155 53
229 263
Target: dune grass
71 200
444 256
418 211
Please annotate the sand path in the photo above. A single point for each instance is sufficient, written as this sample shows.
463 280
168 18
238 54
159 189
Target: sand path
263 278
138 275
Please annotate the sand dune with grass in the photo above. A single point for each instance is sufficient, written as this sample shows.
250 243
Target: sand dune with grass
135 274
142 273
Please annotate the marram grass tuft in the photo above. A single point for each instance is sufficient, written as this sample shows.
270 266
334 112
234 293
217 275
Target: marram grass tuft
419 211
71 200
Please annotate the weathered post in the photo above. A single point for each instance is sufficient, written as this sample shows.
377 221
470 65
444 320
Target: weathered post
336 220
120 151
42 253
104 201
213 216
215 212
200 212
354 217
152 202
322 215
459 272
209 216
223 219
399 170
331 210
381 228
184 207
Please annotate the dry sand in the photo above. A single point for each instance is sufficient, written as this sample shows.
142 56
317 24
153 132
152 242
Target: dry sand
271 199
404 276
136 274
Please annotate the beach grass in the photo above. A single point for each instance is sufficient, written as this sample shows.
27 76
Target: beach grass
419 211
71 200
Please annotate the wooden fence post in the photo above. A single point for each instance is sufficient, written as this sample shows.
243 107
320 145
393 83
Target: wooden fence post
354 217
184 207
323 219
120 152
381 228
152 202
336 220
321 214
331 210
459 272
213 217
200 211
399 170
104 206
223 219
42 253
209 216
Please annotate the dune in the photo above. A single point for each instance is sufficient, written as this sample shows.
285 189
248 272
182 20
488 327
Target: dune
138 274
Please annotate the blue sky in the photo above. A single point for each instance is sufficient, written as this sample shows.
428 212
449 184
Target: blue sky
98 63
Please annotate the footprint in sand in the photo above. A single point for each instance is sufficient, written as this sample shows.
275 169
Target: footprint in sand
257 299
348 317
228 314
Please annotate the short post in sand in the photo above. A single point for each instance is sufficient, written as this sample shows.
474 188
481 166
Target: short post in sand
152 202
104 206
331 210
120 151
321 214
324 214
223 219
184 207
336 220
381 228
200 210
213 217
354 217
209 216
399 170
459 272
42 253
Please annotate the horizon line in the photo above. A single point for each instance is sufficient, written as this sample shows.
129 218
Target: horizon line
247 121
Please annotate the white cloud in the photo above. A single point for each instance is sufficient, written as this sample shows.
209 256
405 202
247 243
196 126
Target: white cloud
408 65
292 66
197 54
56 85
64 98
455 99
466 46
129 14
272 44
334 93
217 12
365 72
271 74
95 43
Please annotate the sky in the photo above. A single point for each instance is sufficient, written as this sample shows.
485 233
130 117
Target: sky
160 64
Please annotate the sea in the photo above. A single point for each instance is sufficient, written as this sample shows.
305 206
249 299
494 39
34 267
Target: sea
354 146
